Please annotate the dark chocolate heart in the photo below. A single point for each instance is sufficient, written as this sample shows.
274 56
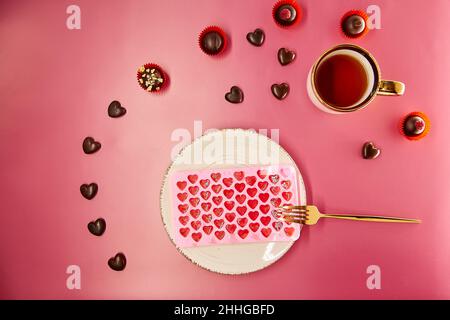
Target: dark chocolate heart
118 262
97 227
235 95
115 109
90 145
280 91
286 56
89 191
369 151
256 37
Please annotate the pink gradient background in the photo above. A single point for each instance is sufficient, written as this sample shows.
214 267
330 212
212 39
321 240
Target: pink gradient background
55 87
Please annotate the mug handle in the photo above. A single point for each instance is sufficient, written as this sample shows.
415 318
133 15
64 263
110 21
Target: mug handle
391 88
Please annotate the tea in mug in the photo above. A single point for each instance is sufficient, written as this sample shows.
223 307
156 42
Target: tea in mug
341 80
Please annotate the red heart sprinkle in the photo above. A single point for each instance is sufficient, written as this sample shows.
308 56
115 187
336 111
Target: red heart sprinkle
243 233
265 220
207 218
184 232
264 208
227 181
241 210
220 234
181 185
250 180
229 205
264 197
275 190
252 203
287 195
263 185
194 201
239 175
219 223
253 215
252 192
205 195
239 187
193 190
289 231
196 224
241 198
183 208
215 176
286 184
228 193
196 236
192 178
207 229
195 213
204 183
206 206
182 196
217 200
184 220
254 226
262 173
275 202
218 211
274 178
216 188
277 225
230 228
230 216
266 232
242 221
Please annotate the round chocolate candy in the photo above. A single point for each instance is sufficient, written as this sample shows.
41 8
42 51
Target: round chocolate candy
286 13
354 24
415 125
151 77
212 42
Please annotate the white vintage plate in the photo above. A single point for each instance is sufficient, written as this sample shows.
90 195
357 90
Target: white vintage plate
221 149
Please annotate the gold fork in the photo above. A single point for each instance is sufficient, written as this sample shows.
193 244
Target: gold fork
309 215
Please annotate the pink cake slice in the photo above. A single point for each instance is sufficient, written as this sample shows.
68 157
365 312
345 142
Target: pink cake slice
226 206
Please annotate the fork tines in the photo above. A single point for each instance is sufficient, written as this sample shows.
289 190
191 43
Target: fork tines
298 214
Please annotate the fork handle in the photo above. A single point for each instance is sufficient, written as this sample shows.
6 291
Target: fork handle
370 218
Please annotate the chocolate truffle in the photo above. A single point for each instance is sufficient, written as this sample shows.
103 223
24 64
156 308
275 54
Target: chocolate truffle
354 24
415 126
212 40
151 78
286 13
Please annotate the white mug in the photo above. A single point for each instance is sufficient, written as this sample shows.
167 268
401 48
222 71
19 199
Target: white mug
375 86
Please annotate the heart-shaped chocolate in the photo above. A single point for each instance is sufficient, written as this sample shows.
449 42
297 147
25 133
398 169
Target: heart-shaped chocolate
235 95
118 262
89 191
115 109
256 37
286 56
370 151
97 227
90 145
280 91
